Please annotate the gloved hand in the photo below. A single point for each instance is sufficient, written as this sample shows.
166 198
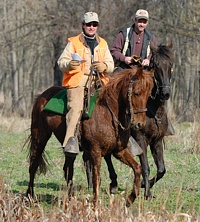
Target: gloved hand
74 64
136 58
100 66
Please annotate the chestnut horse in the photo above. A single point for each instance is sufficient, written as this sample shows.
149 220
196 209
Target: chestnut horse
121 103
156 123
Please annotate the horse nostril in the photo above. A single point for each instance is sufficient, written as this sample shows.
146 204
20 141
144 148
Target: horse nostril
167 96
138 126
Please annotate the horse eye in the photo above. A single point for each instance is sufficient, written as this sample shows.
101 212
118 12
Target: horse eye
136 94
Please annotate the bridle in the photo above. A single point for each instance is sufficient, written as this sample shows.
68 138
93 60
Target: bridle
158 86
156 82
131 111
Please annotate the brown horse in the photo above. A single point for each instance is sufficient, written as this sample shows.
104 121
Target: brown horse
121 103
156 123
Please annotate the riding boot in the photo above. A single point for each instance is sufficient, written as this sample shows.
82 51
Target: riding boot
170 129
133 147
72 146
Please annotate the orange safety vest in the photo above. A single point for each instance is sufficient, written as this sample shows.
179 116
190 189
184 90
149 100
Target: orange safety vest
72 78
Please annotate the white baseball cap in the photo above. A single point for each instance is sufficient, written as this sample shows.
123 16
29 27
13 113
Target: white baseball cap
90 17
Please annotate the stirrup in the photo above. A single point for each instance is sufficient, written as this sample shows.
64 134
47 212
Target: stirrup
72 146
170 129
134 147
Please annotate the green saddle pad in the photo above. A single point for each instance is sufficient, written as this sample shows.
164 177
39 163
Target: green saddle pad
58 104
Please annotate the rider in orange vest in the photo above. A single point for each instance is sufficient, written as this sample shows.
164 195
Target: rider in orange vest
82 52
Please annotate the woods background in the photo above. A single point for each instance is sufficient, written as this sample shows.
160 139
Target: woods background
34 33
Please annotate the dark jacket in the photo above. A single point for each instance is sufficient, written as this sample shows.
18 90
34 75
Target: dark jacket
146 41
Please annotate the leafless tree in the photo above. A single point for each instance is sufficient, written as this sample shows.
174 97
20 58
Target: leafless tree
34 33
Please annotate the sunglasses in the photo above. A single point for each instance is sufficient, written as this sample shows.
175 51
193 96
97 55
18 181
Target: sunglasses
94 24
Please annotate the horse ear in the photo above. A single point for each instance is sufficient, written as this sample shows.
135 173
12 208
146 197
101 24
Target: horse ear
152 71
149 72
170 44
153 47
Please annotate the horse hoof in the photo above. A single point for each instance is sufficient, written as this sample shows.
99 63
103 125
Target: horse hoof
90 186
114 190
128 203
149 197
29 193
142 184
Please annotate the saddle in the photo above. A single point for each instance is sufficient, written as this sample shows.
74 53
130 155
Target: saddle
58 103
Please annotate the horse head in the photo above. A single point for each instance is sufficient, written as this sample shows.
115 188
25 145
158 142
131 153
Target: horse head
139 91
126 96
162 61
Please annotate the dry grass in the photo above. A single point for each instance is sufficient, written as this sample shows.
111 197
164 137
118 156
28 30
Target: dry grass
18 208
196 129
14 123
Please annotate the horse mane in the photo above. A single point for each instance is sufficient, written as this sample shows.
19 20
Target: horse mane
163 53
120 83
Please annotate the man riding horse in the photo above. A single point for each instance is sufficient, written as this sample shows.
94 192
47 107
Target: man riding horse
94 53
133 43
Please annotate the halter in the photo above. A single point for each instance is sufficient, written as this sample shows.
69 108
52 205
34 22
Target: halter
132 111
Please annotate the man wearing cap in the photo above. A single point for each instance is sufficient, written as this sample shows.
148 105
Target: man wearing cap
134 41
94 52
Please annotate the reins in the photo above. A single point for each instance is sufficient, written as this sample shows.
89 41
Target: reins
132 111
158 89
97 83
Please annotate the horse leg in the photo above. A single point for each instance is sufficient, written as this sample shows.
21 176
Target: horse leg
112 174
157 153
145 174
111 170
141 140
126 157
36 158
96 163
68 169
88 167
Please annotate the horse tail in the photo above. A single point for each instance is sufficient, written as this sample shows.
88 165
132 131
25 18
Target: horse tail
33 142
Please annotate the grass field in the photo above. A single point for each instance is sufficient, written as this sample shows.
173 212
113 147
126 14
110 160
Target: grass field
177 194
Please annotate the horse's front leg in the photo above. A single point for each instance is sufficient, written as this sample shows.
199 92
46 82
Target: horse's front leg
145 174
141 140
112 174
157 153
88 168
126 157
68 169
96 163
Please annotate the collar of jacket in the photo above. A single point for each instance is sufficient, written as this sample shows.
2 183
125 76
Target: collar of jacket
82 38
